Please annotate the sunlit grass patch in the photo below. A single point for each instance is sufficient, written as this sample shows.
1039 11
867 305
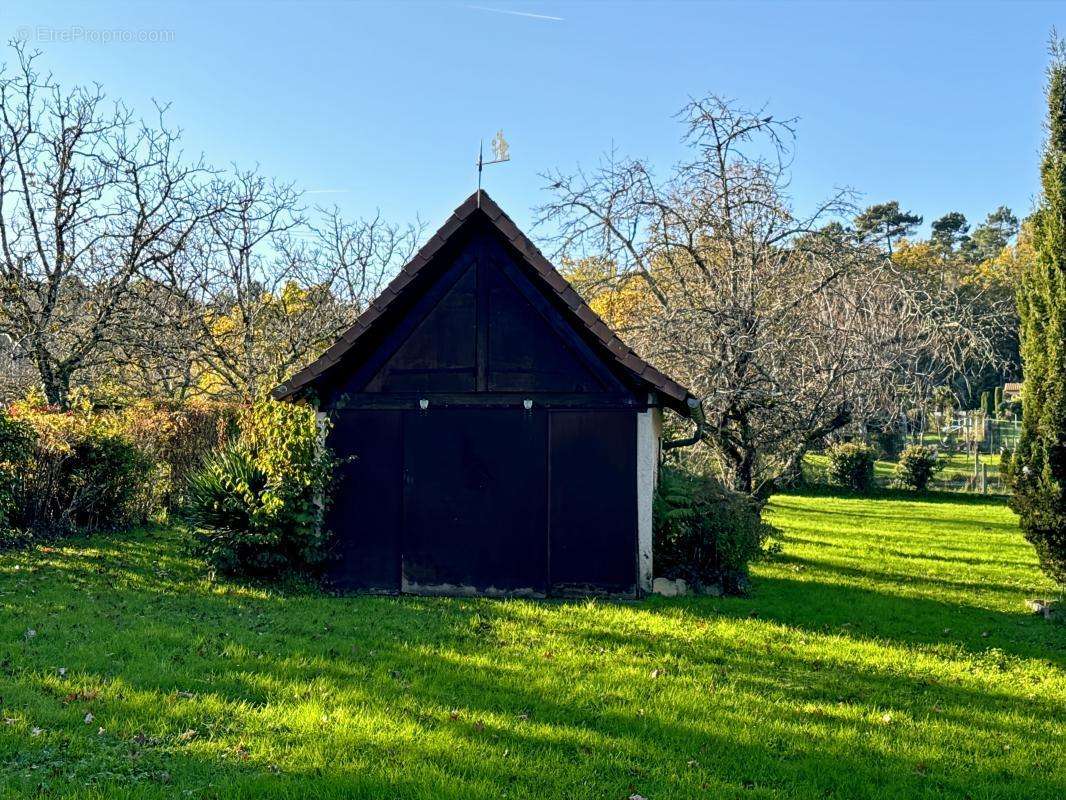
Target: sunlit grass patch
885 652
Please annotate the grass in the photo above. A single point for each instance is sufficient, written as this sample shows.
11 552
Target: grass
885 652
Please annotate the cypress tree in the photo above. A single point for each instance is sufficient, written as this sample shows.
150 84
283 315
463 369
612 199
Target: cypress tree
1038 468
986 402
998 401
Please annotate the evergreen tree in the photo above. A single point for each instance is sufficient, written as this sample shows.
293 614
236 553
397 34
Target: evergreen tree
991 236
986 402
1038 469
998 404
950 230
886 221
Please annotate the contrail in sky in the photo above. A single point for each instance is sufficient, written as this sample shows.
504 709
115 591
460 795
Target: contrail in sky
518 13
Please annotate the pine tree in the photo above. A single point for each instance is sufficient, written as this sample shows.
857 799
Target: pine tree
1038 469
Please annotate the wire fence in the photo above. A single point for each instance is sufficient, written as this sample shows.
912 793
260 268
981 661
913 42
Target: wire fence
970 445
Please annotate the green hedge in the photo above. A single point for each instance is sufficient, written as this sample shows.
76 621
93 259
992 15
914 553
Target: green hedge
65 473
916 467
16 451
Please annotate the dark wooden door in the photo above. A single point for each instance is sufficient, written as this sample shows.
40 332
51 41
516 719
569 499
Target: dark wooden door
366 511
475 502
593 502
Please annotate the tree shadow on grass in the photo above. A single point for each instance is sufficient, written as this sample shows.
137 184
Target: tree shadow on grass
907 495
880 574
483 717
905 621
727 715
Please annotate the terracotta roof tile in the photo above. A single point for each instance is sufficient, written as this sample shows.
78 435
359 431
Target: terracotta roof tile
367 318
382 301
633 362
599 327
429 249
556 281
571 298
488 206
450 226
415 263
401 280
467 207
587 315
508 228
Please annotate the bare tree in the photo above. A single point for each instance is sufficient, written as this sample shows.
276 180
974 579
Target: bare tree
239 279
266 290
956 333
157 355
787 326
91 198
16 373
356 259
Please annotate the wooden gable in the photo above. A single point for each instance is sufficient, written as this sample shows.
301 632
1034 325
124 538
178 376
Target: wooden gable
478 316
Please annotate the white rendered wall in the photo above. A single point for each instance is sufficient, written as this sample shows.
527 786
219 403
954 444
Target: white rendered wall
649 429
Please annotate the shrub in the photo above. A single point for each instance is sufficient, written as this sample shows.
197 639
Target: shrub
80 475
917 466
851 465
703 532
16 451
177 438
257 505
105 483
86 469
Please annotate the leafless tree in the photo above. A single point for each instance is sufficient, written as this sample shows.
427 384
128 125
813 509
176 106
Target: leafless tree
356 259
956 333
91 199
16 373
157 355
266 288
787 326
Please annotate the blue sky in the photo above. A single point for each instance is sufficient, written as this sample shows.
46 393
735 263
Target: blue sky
375 105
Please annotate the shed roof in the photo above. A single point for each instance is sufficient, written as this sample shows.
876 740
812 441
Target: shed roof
578 311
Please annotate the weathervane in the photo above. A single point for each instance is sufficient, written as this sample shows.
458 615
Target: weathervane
501 151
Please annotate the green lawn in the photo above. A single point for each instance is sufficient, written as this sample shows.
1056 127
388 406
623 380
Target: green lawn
885 653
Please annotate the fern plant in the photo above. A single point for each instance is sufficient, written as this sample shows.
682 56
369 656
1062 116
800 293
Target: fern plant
704 532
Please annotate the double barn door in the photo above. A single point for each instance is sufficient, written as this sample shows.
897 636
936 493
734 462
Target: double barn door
494 501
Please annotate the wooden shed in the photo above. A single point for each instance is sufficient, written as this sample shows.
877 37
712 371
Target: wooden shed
503 439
